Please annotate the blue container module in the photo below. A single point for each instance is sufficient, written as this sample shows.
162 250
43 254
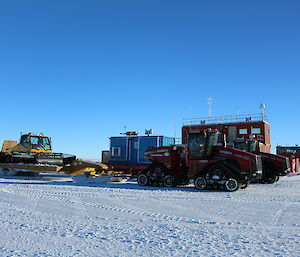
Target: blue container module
130 150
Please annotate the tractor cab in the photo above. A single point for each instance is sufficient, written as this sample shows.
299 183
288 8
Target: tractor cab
251 146
201 144
35 143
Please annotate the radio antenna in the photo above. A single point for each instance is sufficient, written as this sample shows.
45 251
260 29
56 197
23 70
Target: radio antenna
209 101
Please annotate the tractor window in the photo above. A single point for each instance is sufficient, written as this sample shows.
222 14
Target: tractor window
40 143
46 143
196 144
211 142
25 141
34 140
252 146
241 146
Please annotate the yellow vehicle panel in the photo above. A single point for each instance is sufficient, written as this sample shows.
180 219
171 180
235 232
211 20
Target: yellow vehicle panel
8 145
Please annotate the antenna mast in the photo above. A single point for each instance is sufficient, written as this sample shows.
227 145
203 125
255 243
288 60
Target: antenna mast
209 101
262 108
174 116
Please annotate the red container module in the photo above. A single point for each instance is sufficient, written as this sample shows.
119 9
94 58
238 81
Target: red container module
293 153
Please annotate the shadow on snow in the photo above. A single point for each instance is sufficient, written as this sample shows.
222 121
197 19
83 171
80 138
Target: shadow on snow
44 180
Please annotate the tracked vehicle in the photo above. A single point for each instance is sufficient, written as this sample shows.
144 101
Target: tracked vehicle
33 154
34 149
209 165
273 166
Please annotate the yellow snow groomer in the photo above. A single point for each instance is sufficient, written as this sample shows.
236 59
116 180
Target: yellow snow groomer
34 154
29 143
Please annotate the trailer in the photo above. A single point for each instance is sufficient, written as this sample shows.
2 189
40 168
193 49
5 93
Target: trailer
127 152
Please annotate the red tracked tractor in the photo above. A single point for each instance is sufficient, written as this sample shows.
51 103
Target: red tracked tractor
202 160
273 166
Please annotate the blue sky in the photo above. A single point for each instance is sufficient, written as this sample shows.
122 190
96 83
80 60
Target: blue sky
80 71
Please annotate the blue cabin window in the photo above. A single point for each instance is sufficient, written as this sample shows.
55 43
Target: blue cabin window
116 151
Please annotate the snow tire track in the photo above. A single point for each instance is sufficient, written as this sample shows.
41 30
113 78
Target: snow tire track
122 221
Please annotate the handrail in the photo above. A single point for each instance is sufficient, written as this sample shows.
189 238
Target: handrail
226 119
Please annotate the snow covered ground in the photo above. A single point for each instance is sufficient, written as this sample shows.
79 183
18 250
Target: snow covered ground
48 217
